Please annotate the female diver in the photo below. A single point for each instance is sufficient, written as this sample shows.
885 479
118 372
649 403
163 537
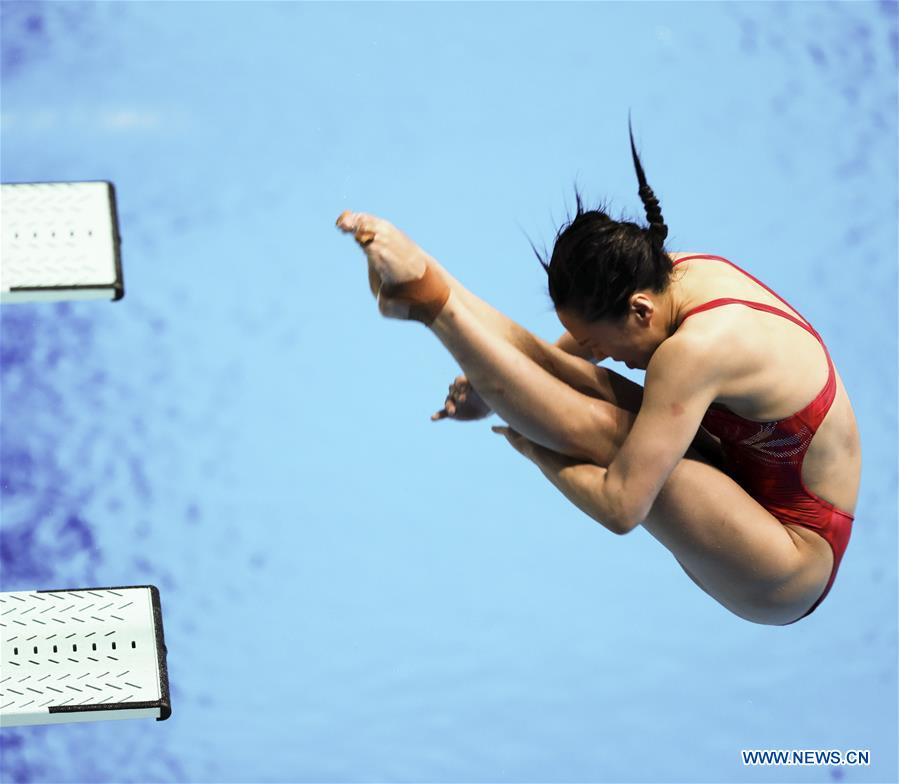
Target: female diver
741 454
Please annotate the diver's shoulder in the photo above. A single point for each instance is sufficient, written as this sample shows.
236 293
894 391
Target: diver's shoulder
713 335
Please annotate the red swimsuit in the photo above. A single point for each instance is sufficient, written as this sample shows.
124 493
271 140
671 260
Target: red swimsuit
765 458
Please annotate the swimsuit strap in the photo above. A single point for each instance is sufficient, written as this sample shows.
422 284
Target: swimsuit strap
805 326
752 304
818 407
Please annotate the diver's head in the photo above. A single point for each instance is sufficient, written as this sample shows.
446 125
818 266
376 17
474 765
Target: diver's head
609 279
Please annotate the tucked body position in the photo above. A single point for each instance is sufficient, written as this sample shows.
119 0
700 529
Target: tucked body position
741 453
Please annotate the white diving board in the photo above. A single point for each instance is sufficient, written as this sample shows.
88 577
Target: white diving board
91 654
59 241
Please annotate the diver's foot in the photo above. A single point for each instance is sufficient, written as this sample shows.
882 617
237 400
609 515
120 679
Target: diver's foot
408 287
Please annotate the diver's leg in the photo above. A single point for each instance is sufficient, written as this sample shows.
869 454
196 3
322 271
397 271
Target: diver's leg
575 371
533 401
579 374
734 549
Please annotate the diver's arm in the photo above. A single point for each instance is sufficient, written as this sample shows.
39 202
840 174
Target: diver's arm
580 482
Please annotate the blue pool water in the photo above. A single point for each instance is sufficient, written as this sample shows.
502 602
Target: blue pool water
352 592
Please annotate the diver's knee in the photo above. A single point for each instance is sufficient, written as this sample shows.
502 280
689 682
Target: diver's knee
599 431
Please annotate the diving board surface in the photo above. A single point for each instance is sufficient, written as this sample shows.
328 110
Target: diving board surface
59 241
82 655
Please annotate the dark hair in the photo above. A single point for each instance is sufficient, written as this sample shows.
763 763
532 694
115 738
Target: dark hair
597 263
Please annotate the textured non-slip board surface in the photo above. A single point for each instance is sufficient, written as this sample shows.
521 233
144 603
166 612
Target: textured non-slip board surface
82 655
60 241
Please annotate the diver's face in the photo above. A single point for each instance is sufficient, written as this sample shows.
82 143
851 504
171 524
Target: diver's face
628 340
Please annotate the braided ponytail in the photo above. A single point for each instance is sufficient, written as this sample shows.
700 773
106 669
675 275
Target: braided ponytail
657 228
598 262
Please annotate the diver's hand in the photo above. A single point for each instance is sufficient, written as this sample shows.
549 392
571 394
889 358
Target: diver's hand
462 403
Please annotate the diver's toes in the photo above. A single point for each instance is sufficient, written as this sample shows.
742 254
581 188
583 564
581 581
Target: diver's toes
346 221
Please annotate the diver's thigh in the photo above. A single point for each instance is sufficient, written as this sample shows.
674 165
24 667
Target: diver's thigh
590 379
734 548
